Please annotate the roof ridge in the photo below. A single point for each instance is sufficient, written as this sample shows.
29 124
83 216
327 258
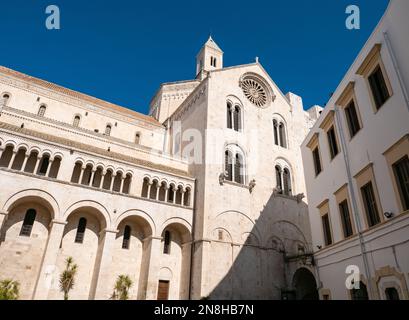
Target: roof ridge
79 95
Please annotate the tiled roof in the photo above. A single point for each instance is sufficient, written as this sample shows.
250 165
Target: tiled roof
93 149
78 95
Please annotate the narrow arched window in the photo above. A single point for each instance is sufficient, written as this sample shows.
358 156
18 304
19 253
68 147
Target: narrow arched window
275 127
287 182
211 61
166 244
28 223
279 185
229 116
228 166
238 169
137 138
127 238
281 129
5 99
108 129
41 111
82 224
214 62
76 122
237 118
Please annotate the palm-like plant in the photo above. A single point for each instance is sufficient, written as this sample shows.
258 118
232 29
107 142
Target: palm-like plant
67 277
121 289
9 289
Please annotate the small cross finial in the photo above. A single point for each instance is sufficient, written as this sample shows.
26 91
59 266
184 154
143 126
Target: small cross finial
256 59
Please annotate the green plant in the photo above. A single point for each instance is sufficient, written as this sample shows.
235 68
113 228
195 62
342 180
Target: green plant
67 277
121 289
9 289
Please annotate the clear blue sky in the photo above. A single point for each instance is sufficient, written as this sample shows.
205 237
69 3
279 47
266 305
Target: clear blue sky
121 51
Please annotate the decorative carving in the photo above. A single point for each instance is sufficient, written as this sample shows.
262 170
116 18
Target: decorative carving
222 177
299 197
252 184
277 191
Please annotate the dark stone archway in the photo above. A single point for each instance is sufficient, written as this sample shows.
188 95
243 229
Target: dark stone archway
305 285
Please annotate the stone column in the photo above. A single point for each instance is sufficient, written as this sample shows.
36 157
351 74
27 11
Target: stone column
152 270
102 270
3 218
121 189
112 182
12 159
92 177
149 190
23 167
81 175
48 272
183 197
157 191
50 163
101 183
166 193
1 151
37 165
174 195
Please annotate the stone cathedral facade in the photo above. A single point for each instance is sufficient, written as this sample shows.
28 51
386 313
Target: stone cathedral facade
203 197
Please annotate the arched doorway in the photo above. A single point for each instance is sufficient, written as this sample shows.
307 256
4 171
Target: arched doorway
305 285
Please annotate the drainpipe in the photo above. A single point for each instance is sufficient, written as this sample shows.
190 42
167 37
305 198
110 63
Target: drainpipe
192 246
353 200
397 70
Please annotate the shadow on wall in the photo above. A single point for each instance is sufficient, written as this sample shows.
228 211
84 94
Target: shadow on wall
269 258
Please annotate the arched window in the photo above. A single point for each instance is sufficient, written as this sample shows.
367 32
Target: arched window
361 293
44 163
237 118
238 169
108 129
41 110
5 99
228 165
214 62
137 138
229 116
166 244
391 294
82 224
127 237
211 61
77 120
275 126
287 182
279 185
283 141
234 165
28 223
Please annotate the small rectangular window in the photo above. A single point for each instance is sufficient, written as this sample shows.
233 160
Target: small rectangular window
345 219
352 119
401 171
378 86
317 161
327 229
368 197
332 140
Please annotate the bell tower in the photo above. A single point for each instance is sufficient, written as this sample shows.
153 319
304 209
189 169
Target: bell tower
210 57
